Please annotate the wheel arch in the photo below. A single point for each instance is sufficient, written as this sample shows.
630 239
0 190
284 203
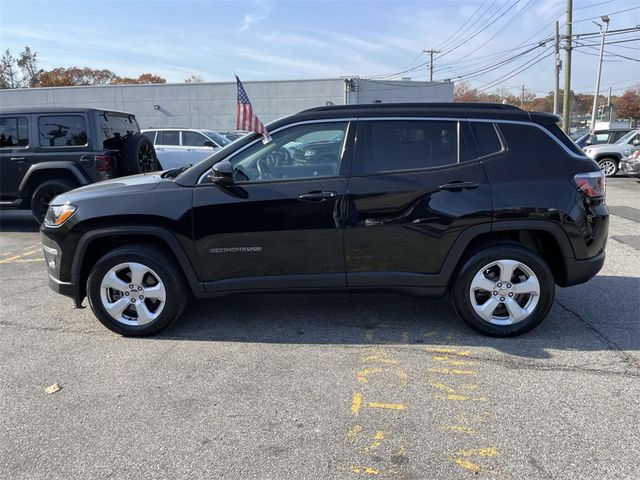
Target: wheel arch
45 171
96 243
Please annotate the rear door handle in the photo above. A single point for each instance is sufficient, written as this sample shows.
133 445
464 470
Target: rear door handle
86 160
317 196
18 159
458 186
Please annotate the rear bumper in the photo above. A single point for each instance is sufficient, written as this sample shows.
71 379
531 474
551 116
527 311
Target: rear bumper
581 271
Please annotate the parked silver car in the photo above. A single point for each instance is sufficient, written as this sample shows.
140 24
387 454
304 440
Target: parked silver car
176 147
609 155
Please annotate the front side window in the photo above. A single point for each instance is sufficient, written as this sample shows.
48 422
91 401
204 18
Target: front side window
13 132
396 145
193 139
304 151
62 131
168 137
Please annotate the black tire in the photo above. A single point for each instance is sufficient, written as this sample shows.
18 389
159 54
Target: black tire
609 166
137 156
161 264
461 293
44 193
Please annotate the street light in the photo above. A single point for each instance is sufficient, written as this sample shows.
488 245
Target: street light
605 20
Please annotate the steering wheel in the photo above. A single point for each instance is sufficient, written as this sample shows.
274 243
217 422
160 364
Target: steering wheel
264 169
278 157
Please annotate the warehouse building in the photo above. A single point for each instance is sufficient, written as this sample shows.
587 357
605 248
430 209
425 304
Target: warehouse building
213 105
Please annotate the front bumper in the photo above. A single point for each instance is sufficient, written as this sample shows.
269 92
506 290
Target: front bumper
630 167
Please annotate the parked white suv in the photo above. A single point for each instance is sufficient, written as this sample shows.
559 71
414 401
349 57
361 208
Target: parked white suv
176 147
609 155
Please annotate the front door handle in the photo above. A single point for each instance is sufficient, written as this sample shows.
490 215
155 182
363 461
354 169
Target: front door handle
458 186
18 159
317 196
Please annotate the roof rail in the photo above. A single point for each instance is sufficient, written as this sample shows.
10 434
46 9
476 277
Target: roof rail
425 105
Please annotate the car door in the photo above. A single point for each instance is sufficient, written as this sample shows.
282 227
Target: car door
280 224
15 154
414 188
168 149
197 146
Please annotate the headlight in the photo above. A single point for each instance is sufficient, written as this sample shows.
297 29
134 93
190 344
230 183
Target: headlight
58 214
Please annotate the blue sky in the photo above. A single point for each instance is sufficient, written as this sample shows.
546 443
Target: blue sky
270 39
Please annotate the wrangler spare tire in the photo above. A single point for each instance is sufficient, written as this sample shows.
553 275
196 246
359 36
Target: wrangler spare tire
137 156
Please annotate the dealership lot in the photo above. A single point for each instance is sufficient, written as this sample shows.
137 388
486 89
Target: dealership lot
322 386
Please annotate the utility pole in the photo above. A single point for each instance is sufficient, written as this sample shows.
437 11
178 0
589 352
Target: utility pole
566 104
522 98
431 52
610 107
558 66
594 112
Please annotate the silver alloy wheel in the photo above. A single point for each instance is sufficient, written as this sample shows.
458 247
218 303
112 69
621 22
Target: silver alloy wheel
133 294
608 167
504 292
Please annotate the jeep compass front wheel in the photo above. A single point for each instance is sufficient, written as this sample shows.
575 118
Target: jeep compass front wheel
136 290
504 291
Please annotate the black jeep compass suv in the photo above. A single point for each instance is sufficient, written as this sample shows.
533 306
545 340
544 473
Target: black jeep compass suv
490 203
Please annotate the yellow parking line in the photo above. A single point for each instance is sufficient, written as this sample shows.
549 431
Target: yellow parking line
17 257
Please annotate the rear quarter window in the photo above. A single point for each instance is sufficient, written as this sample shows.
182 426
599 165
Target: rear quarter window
529 143
486 138
115 128
557 132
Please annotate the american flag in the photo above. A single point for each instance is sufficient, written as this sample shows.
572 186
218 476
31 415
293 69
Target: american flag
246 119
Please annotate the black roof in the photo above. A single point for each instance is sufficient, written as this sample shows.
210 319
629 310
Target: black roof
26 110
496 111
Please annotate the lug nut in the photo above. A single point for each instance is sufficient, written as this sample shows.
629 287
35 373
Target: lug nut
133 300
495 293
141 297
139 289
502 299
131 286
508 285
499 285
511 294
126 293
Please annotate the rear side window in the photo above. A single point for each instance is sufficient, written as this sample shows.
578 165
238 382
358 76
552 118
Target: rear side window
13 132
391 145
486 138
168 137
193 139
62 131
115 128
557 132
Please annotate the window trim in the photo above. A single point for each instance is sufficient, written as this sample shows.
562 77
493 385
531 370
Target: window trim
503 143
86 125
28 137
349 121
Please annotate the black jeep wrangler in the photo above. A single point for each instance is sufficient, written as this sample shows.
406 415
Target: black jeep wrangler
48 151
492 204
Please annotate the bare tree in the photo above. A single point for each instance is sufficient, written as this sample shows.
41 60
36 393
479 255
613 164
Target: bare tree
194 79
9 77
28 63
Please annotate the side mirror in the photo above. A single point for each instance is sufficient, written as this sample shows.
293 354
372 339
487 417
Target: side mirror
209 143
222 173
636 142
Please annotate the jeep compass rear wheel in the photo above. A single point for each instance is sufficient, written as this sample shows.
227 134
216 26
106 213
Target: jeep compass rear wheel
504 291
136 290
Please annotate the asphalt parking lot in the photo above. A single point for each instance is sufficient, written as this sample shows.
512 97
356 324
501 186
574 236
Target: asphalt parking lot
323 386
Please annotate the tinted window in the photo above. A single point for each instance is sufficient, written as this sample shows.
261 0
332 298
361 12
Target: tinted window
150 135
386 145
557 132
115 128
13 132
62 131
168 137
615 136
293 153
528 143
486 137
216 137
193 139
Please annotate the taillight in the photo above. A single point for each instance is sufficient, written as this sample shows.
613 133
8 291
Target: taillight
103 165
591 184
636 154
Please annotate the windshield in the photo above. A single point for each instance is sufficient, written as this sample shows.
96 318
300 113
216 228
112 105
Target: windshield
627 138
216 137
